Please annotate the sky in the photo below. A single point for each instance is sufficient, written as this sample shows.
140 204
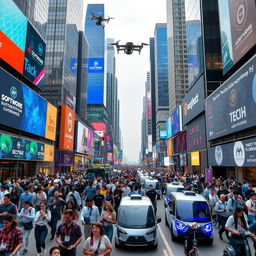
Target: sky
134 21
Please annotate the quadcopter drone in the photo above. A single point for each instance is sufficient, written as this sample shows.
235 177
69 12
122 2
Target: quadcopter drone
129 47
100 21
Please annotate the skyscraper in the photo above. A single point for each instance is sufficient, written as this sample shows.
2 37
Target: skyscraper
177 52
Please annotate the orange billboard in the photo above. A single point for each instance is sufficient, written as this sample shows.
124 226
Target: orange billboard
67 128
48 153
170 147
51 122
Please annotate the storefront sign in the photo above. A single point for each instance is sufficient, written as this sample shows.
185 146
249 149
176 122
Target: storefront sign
240 153
67 128
238 29
231 108
21 108
193 103
196 138
180 143
20 45
195 158
15 148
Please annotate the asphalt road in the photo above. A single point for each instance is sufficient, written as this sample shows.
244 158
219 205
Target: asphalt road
165 246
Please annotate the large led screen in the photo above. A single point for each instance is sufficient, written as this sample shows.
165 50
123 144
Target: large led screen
176 120
20 45
238 30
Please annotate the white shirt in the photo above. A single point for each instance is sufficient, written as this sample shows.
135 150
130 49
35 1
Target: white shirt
105 244
42 221
252 205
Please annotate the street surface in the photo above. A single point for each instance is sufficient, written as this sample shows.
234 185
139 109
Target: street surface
165 246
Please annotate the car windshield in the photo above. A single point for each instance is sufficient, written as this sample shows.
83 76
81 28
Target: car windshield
174 189
196 211
136 217
155 185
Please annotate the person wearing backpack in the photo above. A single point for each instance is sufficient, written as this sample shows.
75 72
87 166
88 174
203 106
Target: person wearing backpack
235 201
251 205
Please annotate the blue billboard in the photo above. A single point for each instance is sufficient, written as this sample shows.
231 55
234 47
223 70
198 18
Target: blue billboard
176 120
20 107
96 65
169 128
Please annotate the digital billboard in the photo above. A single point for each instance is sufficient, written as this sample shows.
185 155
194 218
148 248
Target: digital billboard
176 120
23 109
193 102
15 148
180 143
195 158
169 128
238 30
231 108
69 99
21 46
170 147
196 137
96 65
67 130
239 153
162 132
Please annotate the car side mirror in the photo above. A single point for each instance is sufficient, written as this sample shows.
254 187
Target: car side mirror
158 220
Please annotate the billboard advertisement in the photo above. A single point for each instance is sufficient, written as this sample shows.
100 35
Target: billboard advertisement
21 46
69 99
176 120
169 128
196 137
96 65
15 148
239 153
100 126
67 130
193 102
231 108
149 110
162 131
180 143
195 158
150 144
170 147
238 30
183 159
21 108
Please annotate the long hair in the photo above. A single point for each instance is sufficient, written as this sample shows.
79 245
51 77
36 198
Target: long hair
244 224
102 232
109 205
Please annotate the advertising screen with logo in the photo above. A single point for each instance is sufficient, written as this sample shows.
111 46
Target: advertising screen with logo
231 108
169 127
180 143
69 99
21 46
96 65
240 153
82 138
67 126
23 109
196 137
238 30
193 102
22 149
176 120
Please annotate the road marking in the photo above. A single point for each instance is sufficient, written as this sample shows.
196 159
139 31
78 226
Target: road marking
166 253
170 253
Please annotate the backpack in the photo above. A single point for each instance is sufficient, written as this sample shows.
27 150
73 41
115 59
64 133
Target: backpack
244 207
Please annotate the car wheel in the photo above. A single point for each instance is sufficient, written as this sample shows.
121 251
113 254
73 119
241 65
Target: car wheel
209 241
154 246
166 221
117 245
173 237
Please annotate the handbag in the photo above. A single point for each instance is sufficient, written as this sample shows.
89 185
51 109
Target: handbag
87 219
28 225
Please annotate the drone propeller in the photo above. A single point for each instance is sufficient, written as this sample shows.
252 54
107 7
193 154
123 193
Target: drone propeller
116 43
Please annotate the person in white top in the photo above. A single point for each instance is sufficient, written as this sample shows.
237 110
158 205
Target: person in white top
98 243
251 205
43 216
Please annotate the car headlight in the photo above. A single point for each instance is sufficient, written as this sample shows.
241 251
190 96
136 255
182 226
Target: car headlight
180 226
207 228
120 231
150 232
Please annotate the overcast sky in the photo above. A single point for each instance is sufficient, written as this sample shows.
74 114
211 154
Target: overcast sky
134 21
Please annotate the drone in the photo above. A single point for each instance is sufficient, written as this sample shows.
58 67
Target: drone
100 20
129 47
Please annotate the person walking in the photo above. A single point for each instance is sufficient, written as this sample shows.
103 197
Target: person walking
40 198
152 196
26 196
68 235
97 243
89 215
15 198
55 203
99 200
43 216
108 219
11 237
26 218
221 209
251 206
7 208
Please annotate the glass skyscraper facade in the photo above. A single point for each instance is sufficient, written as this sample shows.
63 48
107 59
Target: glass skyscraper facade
177 52
96 39
37 13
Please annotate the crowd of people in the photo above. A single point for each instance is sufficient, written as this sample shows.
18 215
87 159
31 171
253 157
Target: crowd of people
69 206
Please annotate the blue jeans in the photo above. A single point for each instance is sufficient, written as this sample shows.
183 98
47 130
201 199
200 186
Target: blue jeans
252 221
40 236
109 230
9 253
53 224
